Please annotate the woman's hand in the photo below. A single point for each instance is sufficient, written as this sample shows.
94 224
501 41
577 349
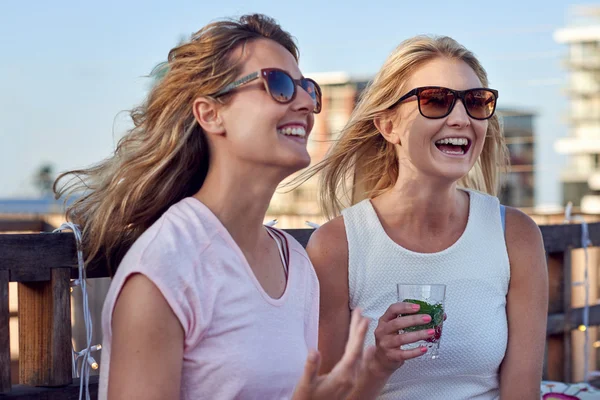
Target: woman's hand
338 383
388 356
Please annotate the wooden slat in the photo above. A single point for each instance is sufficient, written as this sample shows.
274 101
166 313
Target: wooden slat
558 238
558 323
555 283
45 331
567 289
5 375
31 257
576 316
545 362
69 392
60 346
554 357
16 225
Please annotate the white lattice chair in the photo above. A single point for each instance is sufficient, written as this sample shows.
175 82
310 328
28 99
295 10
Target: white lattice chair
568 391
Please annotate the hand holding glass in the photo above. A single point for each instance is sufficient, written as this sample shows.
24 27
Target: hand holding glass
431 299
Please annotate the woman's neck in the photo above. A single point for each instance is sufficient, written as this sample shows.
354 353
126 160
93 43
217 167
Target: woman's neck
423 208
239 198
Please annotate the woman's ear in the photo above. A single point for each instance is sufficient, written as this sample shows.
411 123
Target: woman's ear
385 124
208 115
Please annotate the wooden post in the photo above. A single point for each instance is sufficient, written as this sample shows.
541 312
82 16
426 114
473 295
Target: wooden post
578 302
553 370
567 289
45 331
559 360
5 378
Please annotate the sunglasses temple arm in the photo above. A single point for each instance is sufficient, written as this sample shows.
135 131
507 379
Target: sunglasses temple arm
238 83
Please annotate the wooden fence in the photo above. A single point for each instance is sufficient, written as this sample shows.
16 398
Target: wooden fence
44 263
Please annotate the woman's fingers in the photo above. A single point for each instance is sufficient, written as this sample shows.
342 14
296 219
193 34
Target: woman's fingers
395 341
393 326
311 367
305 386
398 308
402 355
356 338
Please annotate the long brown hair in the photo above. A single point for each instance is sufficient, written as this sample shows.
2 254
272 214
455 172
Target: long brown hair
164 157
362 164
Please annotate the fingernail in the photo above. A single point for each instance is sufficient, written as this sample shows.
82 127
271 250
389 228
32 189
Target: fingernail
426 318
423 349
415 306
430 332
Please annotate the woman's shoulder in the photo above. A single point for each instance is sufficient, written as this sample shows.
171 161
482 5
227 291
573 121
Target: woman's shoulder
521 229
181 234
525 246
332 231
519 226
328 245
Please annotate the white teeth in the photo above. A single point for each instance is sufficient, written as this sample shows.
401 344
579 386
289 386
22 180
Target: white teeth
295 131
458 152
453 141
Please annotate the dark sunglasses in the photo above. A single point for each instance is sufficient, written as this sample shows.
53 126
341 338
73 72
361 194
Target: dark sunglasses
438 102
280 85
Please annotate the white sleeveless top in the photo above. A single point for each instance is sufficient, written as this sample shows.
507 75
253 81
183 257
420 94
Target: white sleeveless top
476 272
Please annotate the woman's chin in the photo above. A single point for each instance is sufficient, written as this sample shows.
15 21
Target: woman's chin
300 165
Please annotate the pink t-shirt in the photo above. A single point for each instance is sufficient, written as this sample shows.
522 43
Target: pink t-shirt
239 342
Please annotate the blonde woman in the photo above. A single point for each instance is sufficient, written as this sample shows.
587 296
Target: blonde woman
206 302
419 162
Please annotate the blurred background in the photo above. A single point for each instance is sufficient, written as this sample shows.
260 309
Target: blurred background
70 71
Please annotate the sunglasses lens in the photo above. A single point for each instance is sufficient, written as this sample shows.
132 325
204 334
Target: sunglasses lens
480 103
281 86
313 90
435 102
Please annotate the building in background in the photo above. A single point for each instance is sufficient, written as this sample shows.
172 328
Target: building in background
518 189
292 208
340 93
581 177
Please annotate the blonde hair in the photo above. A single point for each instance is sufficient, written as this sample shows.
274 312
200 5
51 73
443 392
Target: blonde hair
362 164
164 157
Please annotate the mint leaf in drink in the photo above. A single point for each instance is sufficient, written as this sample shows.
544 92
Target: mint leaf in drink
435 311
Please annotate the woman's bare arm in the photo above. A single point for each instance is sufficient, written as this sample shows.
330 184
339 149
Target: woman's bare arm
328 252
527 308
147 345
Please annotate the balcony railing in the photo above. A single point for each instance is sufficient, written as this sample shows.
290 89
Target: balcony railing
44 263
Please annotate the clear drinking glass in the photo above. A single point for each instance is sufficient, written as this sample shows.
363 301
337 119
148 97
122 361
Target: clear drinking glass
431 299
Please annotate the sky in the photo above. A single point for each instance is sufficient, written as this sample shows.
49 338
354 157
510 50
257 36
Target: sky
70 70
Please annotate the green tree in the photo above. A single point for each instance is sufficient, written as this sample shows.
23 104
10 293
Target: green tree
44 178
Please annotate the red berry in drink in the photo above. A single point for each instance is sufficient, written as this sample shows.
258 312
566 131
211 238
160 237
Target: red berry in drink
436 336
